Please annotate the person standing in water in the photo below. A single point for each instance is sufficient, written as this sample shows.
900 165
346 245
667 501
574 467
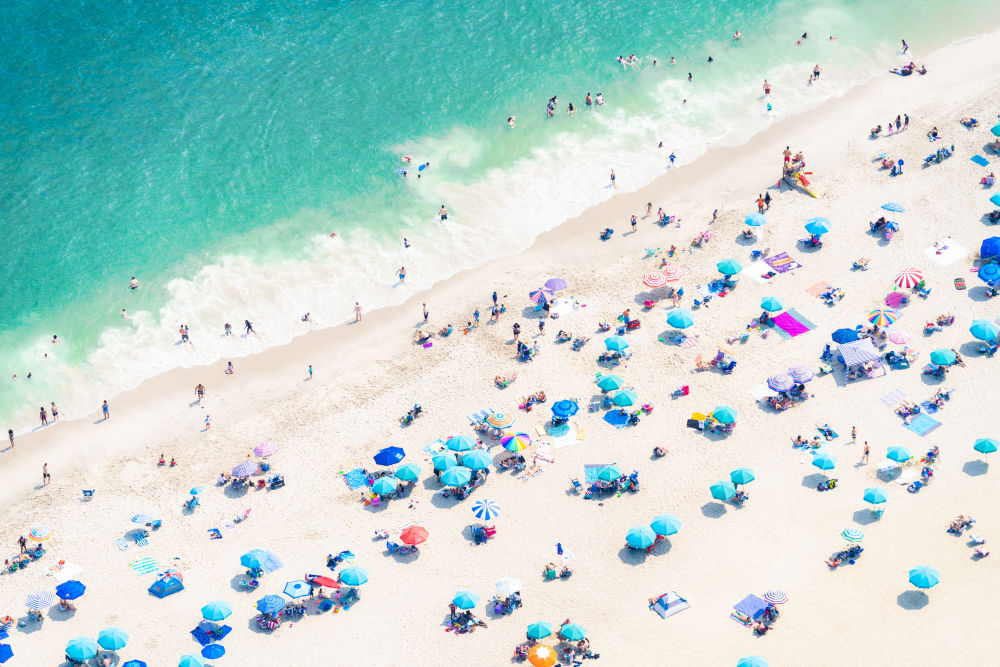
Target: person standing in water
134 283
402 275
613 179
443 213
906 47
248 328
43 416
357 311
767 88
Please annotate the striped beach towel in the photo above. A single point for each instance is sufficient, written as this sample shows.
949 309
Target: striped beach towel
140 539
144 565
893 398
688 342
121 543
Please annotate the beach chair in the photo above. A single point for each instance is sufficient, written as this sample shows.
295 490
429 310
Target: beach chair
576 485
88 495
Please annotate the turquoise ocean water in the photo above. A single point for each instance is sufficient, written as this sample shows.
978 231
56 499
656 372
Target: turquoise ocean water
210 149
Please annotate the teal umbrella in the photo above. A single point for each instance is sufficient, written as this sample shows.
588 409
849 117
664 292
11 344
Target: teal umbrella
615 343
729 267
456 476
81 648
573 632
751 661
924 576
986 445
445 461
984 329
384 485
254 558
817 226
824 461
477 460
943 357
771 304
465 600
680 318
610 383
874 496
665 524
216 611
539 630
995 130
191 661
899 454
742 476
609 473
724 414
408 473
112 639
353 575
624 398
755 219
460 443
640 537
722 490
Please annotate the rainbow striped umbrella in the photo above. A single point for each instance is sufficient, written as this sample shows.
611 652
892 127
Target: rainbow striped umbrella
908 277
654 279
883 317
515 442
40 533
500 420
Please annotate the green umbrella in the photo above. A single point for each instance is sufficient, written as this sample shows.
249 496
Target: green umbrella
408 473
722 490
610 383
742 476
609 473
624 398
943 357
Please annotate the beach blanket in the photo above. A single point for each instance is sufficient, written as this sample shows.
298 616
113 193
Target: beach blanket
757 271
980 160
791 324
669 604
923 424
761 391
356 478
893 398
687 343
616 418
64 571
816 289
581 434
215 533
435 447
833 434
590 471
144 565
121 543
782 263
947 252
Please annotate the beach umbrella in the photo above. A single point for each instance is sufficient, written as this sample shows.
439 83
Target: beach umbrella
755 219
624 398
297 589
485 509
943 357
984 329
615 343
874 496
40 533
673 272
818 226
270 604
541 655
244 469
616 417
729 267
899 454
899 337
680 318
780 382
6 653
142 519
197 490
775 597
665 524
477 460
555 284
465 600
844 336
722 490
508 586
640 537
564 408
995 130
389 456
610 382
654 279
894 207
134 663
852 535
460 443
515 442
751 661
384 486
908 278
539 630
894 299
444 461
414 535
456 476
882 317
724 414
924 576
990 247
983 446
742 476
81 648
191 661
254 558
824 461
609 473
989 273
265 449
500 420
408 473
540 295
771 304
216 611
995 200
213 651
112 639
40 600
70 590
801 373
574 632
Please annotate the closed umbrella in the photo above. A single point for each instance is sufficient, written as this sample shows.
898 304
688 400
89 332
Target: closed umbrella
824 461
444 461
564 408
751 661
610 382
486 510
844 336
755 219
742 476
265 449
874 496
984 330
893 206
780 382
722 490
882 317
539 630
724 414
898 454
70 590
655 279
943 357
353 576
500 420
852 535
81 648
986 445
924 576
573 632
456 476
771 304
515 442
624 398
112 639
609 473
40 600
216 611
465 600
460 443
818 226
908 278
414 535
477 460
384 486
801 373
680 318
269 604
665 524
640 537
615 343
729 267
408 473
989 273
389 456
555 284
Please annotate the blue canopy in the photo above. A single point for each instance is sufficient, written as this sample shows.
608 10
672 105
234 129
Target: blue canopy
771 304
477 459
640 537
161 588
460 443
384 486
389 456
729 267
615 343
81 648
818 226
609 473
680 318
755 219
874 496
894 207
751 606
624 398
564 408
924 576
445 461
70 590
610 382
990 247
456 476
270 604
665 524
844 336
989 273
615 418
984 329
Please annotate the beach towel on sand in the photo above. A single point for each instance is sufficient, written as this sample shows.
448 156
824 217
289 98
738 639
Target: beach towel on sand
923 424
356 478
819 288
782 263
791 324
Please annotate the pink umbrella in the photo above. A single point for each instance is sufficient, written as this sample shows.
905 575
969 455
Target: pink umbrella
899 337
673 272
655 279
265 449
894 299
908 277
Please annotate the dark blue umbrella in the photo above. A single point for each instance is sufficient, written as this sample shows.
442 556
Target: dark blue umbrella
990 247
564 408
70 590
6 652
616 418
989 273
213 651
389 456
844 336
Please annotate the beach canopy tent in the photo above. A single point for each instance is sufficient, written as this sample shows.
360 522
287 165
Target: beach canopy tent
161 588
859 353
669 604
751 607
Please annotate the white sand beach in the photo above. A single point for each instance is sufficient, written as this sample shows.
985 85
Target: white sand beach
368 374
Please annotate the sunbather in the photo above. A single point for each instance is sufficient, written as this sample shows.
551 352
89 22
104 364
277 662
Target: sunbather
958 358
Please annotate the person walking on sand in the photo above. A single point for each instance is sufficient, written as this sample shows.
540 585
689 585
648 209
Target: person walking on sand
541 327
426 313
494 297
634 221
475 315
54 410
106 409
864 455
760 203
46 477
649 209
208 422
613 179
199 391
517 329
357 311
854 434
10 436
767 201
310 371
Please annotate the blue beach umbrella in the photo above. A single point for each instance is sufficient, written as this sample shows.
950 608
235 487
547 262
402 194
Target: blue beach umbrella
70 590
615 343
989 273
191 661
6 653
389 456
610 383
253 558
852 535
899 454
460 443
112 639
724 414
943 357
755 219
353 575
384 486
456 476
485 509
818 226
213 651
986 445
197 490
874 496
134 663
995 200
565 408
894 207
824 461
844 336
477 460
640 537
616 418
729 267
742 476
270 604
924 576
445 461
990 247
297 589
771 304
995 130
751 661
216 611
722 490
984 329
573 632
408 473
624 398
539 630
81 648
465 600
680 318
665 524
609 473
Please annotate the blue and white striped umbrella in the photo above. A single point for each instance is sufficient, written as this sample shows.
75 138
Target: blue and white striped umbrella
852 535
485 509
40 600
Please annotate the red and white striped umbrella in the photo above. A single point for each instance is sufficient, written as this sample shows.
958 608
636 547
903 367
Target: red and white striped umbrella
908 277
655 279
673 272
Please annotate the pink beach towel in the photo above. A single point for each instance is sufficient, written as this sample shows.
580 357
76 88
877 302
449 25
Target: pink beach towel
789 325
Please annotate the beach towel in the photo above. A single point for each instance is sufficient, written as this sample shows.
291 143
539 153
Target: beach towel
356 478
893 398
947 252
761 391
616 418
703 290
669 604
121 543
980 160
756 271
540 429
782 263
215 534
201 636
833 434
144 565
435 447
923 424
590 471
791 324
581 434
816 289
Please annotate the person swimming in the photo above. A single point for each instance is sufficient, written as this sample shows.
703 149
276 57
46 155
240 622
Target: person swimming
510 120
134 284
737 35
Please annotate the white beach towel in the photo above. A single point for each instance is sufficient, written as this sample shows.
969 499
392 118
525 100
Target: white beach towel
757 271
949 255
761 391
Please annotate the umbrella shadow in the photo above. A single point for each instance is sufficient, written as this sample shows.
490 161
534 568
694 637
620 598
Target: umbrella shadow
978 293
715 436
912 600
662 546
970 348
746 240
374 509
932 380
631 556
713 510
58 614
26 625
975 468
444 503
865 517
812 480
235 492
236 583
